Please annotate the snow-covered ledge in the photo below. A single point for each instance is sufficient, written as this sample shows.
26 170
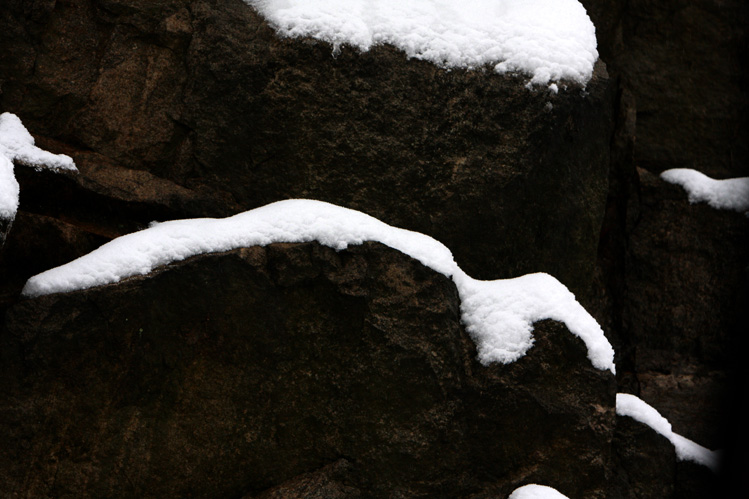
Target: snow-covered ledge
17 145
499 315
728 194
546 39
686 450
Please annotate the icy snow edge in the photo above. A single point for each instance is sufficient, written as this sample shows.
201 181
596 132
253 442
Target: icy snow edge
728 194
547 39
499 315
17 144
686 450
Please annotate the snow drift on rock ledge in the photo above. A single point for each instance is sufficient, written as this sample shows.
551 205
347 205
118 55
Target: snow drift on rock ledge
728 194
686 450
499 315
546 39
17 144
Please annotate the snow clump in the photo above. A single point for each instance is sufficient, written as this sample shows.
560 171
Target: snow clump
546 39
17 145
534 491
686 450
499 315
728 194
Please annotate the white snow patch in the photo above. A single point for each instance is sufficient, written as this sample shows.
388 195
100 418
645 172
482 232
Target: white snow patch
9 189
17 144
533 491
499 315
546 39
728 194
686 450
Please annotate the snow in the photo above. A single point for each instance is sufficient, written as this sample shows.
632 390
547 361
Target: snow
17 145
728 194
534 491
499 315
686 450
9 189
546 39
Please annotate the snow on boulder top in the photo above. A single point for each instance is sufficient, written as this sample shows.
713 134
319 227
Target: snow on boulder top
728 194
534 491
686 450
546 39
17 144
499 315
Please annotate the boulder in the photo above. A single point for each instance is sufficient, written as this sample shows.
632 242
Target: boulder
268 370
202 95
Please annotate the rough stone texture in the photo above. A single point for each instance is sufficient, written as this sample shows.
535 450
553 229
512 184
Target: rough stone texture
685 62
685 269
37 243
5 225
645 461
289 368
675 274
203 96
685 306
183 108
692 397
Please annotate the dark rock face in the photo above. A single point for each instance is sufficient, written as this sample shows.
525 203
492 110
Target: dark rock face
37 243
675 274
189 108
204 96
5 225
685 305
645 461
264 371
685 63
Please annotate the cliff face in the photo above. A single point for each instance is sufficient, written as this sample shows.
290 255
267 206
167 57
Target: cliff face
204 94
232 373
349 373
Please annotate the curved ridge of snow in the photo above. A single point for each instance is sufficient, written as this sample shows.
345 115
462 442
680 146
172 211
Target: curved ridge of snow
728 194
686 450
499 315
547 39
17 144
533 491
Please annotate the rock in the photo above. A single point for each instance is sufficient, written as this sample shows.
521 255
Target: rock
325 483
645 461
203 96
35 244
264 371
685 267
684 309
694 482
692 398
685 63
5 225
